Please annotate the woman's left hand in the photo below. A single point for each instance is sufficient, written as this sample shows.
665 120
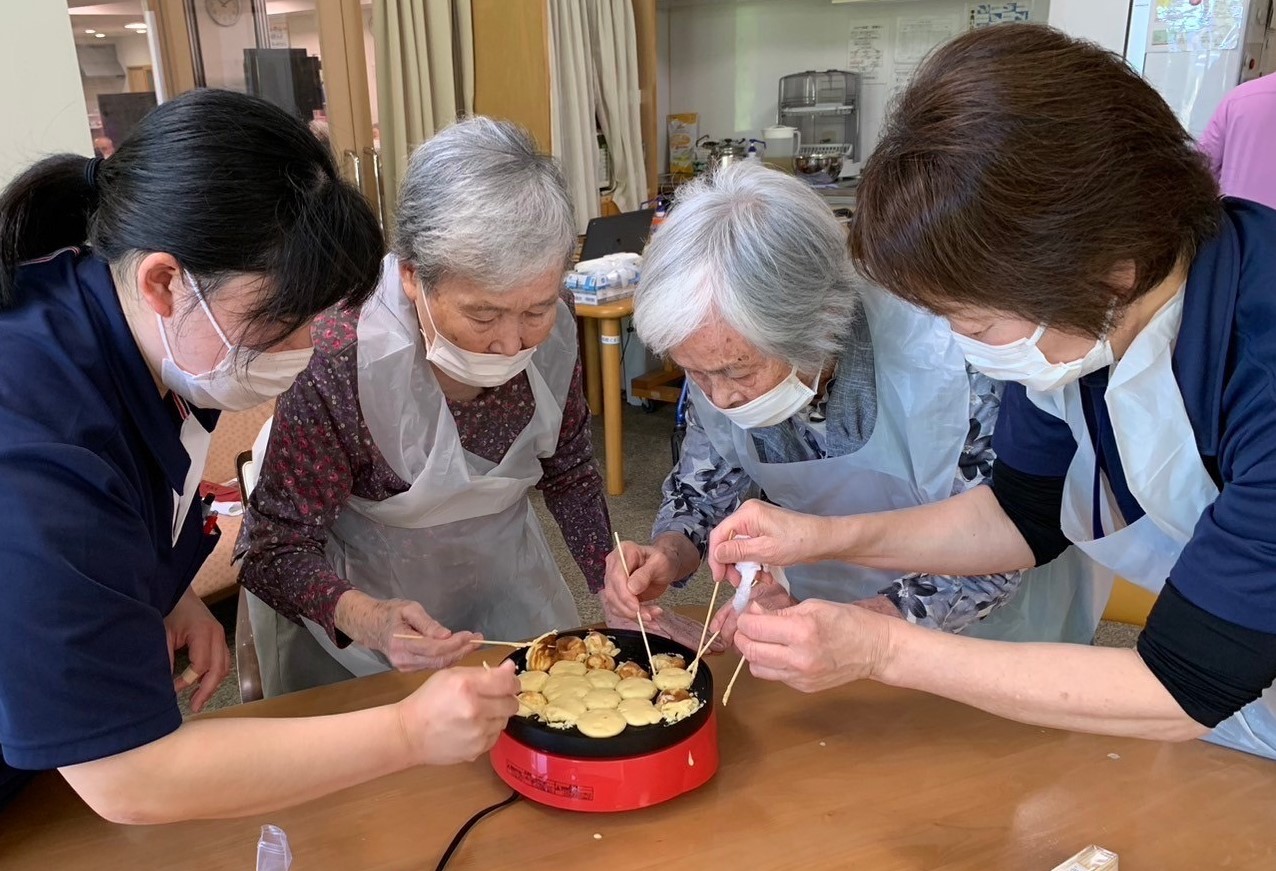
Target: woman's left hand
814 645
192 626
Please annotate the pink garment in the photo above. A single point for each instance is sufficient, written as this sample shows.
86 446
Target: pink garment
1241 141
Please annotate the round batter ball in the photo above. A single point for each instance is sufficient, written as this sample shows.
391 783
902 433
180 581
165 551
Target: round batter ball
603 680
603 723
567 666
662 661
566 686
564 710
639 712
672 679
530 703
636 688
630 669
597 700
532 681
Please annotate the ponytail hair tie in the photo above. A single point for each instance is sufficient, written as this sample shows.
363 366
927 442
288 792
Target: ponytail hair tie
90 171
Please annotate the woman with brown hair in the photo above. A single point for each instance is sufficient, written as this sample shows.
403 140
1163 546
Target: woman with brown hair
1035 191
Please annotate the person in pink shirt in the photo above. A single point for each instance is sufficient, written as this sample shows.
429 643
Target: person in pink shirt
1240 141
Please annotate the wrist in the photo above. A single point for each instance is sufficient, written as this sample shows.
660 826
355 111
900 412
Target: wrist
891 655
680 552
352 615
838 538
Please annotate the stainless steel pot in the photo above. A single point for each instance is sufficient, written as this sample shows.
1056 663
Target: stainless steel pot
723 152
818 168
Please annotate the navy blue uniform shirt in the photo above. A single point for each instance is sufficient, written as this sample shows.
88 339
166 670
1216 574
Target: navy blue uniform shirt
1225 365
90 457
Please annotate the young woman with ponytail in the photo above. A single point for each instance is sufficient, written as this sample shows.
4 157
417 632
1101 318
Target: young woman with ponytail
140 295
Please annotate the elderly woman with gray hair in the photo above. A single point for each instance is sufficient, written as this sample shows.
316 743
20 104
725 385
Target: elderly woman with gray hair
819 395
391 526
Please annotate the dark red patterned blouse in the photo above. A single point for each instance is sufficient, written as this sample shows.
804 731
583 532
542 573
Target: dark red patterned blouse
321 453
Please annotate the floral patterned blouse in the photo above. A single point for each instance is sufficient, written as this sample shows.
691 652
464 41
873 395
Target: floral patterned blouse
321 453
704 488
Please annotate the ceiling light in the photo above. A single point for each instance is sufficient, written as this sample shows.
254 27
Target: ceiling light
90 31
136 25
100 35
142 30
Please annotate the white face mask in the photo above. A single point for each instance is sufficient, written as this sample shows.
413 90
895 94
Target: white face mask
1023 361
776 405
228 387
470 367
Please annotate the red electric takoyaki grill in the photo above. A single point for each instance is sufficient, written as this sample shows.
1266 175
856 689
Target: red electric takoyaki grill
640 767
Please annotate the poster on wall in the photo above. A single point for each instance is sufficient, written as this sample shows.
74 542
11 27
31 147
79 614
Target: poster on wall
985 14
915 36
867 52
1197 25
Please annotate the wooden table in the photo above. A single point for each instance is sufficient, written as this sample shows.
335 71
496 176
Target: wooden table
605 394
862 777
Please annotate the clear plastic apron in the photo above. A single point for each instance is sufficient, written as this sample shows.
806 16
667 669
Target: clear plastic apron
923 419
1165 474
463 540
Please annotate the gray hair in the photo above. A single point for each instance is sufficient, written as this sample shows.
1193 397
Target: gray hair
479 202
759 250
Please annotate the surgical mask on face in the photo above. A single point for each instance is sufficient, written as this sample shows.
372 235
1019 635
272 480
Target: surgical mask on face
1023 361
470 367
229 387
776 405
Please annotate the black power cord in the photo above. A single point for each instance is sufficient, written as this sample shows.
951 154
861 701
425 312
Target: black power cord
471 823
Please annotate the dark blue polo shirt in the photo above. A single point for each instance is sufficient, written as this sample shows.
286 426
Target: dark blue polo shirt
1225 365
90 457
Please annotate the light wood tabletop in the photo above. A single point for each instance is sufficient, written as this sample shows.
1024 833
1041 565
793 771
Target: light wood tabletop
604 379
862 777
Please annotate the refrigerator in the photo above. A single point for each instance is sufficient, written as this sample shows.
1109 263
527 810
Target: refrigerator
1195 51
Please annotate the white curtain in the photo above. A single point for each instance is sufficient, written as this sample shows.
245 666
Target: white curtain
572 101
614 47
425 76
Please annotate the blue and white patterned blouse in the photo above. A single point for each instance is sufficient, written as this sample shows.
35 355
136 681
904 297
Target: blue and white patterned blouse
703 489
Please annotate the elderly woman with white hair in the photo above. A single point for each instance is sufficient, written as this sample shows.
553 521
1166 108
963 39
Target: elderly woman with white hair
822 396
391 525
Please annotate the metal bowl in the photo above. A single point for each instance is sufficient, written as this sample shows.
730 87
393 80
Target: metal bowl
635 740
818 168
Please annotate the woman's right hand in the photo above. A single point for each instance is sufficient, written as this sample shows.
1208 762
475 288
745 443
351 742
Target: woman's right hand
767 593
375 623
457 715
763 533
652 568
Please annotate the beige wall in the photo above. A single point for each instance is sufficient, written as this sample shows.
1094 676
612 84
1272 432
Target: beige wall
223 48
41 101
303 32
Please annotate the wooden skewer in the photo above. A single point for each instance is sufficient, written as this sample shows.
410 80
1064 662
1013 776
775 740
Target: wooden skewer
695 663
620 552
475 641
713 600
727 695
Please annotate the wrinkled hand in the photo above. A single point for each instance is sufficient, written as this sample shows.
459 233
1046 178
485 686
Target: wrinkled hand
652 568
879 605
457 715
814 645
190 625
669 624
768 595
772 536
374 623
